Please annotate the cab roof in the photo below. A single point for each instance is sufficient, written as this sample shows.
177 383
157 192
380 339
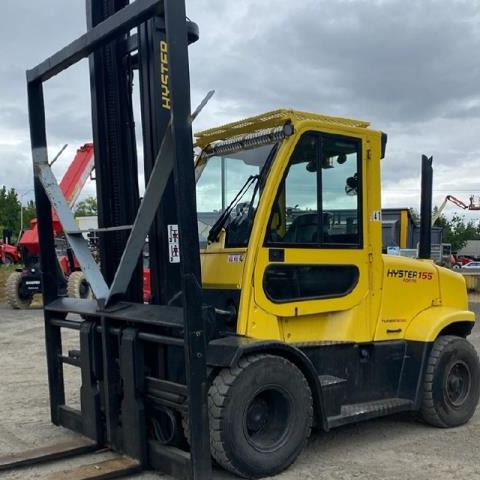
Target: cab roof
267 120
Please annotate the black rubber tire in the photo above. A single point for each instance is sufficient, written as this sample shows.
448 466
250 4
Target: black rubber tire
12 290
452 383
9 260
260 413
77 286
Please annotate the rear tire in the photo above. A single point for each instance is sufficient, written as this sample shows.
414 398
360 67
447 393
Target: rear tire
9 260
260 413
77 286
451 385
13 291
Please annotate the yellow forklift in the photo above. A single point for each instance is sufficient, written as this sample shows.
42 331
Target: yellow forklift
273 309
319 327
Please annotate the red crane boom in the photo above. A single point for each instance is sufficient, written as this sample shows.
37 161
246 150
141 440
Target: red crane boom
71 185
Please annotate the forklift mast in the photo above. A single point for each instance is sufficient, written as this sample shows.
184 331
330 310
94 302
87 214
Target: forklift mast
142 366
111 77
156 104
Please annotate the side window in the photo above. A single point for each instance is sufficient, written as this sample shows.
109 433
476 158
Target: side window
319 200
287 283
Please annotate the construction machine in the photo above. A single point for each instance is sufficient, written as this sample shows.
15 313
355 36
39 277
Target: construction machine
473 204
284 316
447 257
25 282
456 201
9 254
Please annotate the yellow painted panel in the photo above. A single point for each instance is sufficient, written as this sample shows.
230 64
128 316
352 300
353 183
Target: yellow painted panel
348 325
427 325
409 286
222 269
313 257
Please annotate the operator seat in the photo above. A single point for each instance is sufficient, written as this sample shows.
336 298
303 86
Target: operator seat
304 228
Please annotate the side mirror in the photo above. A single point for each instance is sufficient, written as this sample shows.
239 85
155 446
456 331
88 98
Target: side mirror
351 185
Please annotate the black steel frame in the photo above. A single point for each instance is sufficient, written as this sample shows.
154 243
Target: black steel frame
135 359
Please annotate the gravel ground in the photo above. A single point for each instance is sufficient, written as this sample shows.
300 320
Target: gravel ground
396 447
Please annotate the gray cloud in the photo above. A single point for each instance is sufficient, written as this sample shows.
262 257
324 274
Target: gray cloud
410 69
392 62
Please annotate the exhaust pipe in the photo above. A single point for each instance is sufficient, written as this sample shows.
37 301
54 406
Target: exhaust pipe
424 247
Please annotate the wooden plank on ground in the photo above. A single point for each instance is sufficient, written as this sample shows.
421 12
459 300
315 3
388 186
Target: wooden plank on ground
108 469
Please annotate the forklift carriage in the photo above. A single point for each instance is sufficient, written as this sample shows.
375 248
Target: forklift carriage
129 351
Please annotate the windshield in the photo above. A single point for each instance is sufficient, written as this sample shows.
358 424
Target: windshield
228 192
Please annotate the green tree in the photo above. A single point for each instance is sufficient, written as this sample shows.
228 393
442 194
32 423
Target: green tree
87 207
29 213
10 210
458 231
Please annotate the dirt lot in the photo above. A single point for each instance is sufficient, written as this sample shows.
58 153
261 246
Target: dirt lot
391 448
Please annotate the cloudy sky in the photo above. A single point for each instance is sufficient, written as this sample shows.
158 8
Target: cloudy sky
410 68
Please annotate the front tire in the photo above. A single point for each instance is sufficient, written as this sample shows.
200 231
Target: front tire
451 385
77 286
9 260
260 413
13 289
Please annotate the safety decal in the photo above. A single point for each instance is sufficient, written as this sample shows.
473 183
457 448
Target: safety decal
173 244
235 258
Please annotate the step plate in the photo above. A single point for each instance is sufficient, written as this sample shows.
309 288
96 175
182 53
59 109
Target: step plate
364 411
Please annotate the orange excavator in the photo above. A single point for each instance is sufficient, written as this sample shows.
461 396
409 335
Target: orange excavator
25 282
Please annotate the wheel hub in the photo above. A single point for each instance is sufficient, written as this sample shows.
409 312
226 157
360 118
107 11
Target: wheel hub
458 383
258 415
267 420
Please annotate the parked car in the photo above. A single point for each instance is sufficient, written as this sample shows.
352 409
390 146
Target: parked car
471 266
463 259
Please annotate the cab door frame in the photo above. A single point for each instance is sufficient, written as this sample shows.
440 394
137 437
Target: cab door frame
345 316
